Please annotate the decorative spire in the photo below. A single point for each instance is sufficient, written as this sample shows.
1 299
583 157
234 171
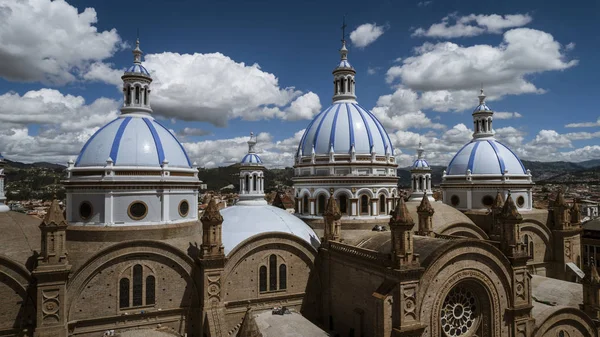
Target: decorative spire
509 211
420 150
498 202
425 206
560 199
332 210
251 143
54 217
212 213
481 96
400 215
137 52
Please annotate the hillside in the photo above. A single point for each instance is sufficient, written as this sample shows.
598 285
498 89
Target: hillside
33 181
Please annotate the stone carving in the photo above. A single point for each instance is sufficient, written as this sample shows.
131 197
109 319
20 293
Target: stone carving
410 300
50 306
214 288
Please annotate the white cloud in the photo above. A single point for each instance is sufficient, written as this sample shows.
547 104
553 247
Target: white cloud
507 115
401 111
214 88
551 138
445 71
424 3
366 34
194 132
472 25
584 125
50 41
570 46
223 152
373 70
103 72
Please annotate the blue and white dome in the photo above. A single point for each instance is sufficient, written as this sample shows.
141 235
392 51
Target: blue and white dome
482 107
344 64
133 141
251 159
485 156
342 125
138 68
420 164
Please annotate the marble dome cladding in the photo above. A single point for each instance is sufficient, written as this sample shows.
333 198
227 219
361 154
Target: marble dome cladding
251 158
485 156
340 126
133 141
243 222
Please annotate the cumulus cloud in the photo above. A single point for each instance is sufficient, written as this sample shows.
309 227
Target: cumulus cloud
453 26
103 72
444 71
50 41
507 115
401 111
366 34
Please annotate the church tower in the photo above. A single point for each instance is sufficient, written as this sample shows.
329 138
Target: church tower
3 207
333 224
566 232
420 173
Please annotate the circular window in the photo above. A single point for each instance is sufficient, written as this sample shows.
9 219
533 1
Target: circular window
488 200
460 312
455 200
520 201
85 210
184 208
137 210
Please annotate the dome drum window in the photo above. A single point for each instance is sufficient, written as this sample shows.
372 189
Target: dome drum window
85 210
520 201
137 210
488 200
183 208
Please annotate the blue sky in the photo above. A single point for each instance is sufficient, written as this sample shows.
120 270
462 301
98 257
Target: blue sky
225 68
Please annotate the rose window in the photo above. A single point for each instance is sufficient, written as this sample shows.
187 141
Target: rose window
459 313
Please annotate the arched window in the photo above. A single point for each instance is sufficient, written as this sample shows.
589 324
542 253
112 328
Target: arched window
282 277
128 94
272 272
321 204
343 204
254 182
124 293
146 96
420 188
305 205
247 183
262 278
138 286
382 204
150 289
137 95
364 204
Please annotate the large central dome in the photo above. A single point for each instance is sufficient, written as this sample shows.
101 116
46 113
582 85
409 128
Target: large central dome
342 125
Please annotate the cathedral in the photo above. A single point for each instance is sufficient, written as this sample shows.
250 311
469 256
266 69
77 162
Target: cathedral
130 255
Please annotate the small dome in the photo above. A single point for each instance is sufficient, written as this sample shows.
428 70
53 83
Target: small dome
485 156
342 125
243 222
420 163
138 68
344 64
251 159
482 107
133 141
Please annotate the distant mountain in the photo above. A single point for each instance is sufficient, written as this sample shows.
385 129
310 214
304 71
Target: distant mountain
42 164
590 163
